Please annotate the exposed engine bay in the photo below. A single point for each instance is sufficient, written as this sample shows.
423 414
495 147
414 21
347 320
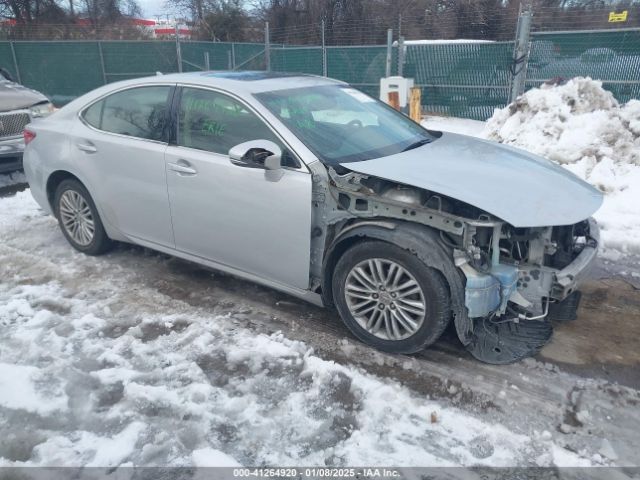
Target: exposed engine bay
513 277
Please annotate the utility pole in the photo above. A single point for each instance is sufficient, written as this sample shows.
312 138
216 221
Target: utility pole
387 71
521 53
104 72
400 56
267 47
15 61
233 56
178 49
324 52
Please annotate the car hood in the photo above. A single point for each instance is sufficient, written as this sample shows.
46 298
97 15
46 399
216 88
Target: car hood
522 189
14 96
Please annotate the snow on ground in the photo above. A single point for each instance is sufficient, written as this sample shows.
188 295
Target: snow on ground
582 127
99 369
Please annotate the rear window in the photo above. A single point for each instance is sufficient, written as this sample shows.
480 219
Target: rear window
138 112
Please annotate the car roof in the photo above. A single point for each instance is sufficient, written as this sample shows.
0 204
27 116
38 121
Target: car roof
242 82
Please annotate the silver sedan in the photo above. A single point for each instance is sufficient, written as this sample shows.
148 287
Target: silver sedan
309 186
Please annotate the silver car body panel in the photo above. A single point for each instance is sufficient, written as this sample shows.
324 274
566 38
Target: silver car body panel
493 177
14 96
134 186
238 217
127 178
302 293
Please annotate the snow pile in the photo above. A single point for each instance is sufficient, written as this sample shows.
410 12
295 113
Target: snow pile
109 371
581 126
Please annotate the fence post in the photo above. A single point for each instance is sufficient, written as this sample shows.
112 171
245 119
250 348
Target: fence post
400 56
521 54
233 56
267 47
15 62
415 104
104 72
387 70
324 53
178 50
207 65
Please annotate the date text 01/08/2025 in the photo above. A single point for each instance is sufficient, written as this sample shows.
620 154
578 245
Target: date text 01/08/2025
285 473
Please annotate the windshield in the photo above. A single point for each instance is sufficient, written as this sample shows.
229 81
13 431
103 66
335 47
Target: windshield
341 124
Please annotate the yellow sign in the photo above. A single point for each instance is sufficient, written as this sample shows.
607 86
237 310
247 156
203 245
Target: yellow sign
618 17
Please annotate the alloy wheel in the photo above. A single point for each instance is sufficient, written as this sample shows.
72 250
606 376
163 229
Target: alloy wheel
76 217
385 299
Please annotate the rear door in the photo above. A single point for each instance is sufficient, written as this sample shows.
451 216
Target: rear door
120 145
230 214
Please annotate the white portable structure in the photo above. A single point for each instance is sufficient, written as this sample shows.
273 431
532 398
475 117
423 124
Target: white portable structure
396 84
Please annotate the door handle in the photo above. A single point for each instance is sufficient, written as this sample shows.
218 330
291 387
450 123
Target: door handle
182 167
87 147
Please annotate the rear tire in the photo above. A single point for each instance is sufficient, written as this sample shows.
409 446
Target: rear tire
79 219
389 298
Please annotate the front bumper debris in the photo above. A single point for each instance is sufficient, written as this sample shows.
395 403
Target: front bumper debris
487 292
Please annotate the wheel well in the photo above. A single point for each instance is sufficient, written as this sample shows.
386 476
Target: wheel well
55 179
330 264
425 243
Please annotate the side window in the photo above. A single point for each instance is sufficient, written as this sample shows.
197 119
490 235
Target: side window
137 112
214 122
93 114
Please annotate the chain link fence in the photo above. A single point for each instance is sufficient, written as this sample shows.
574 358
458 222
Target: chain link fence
464 78
612 56
64 70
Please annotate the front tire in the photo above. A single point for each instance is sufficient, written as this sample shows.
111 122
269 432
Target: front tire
79 219
389 298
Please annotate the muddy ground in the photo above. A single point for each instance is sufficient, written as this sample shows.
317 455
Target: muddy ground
591 365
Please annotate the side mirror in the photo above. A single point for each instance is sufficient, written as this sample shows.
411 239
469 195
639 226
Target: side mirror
257 154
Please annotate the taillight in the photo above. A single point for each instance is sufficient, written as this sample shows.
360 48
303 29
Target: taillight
28 136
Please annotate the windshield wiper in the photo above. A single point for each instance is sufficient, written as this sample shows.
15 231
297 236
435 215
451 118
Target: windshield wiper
417 144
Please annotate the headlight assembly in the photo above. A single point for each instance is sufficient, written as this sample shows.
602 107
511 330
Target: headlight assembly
42 109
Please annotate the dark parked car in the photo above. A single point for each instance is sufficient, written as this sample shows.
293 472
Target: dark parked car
19 106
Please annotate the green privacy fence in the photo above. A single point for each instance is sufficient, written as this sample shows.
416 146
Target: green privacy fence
466 79
361 66
610 56
65 70
222 56
462 79
297 59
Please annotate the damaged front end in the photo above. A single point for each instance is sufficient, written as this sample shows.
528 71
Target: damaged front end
518 278
513 277
521 271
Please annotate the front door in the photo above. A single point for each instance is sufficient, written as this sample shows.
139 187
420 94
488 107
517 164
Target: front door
233 215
